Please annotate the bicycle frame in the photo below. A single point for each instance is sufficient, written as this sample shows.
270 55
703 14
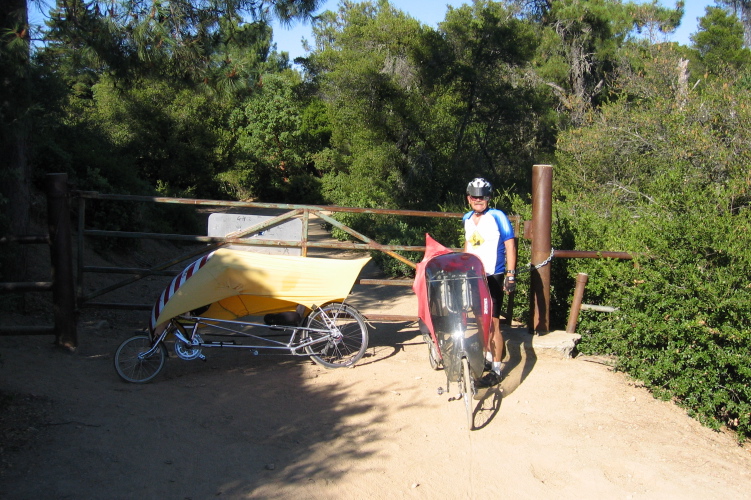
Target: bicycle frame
333 336
214 293
297 341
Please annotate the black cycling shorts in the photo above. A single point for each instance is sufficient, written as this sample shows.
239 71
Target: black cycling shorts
495 285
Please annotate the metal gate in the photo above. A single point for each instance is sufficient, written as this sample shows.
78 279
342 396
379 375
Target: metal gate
67 285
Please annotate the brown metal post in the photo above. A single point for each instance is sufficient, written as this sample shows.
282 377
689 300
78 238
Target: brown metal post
510 302
61 252
573 315
542 216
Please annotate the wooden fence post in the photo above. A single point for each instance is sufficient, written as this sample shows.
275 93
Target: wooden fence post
61 254
573 315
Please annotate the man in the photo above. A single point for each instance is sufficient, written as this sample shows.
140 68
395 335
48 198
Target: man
488 233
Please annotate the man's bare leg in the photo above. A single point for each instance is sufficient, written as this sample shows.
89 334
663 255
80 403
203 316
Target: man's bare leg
496 340
496 348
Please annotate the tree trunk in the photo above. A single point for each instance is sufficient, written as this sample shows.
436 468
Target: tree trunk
745 18
15 125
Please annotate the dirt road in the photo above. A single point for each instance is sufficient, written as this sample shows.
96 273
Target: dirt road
238 426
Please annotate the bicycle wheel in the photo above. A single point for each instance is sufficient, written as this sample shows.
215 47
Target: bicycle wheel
343 339
466 385
132 366
436 362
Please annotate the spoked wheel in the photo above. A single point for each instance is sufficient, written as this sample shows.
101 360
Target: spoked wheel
435 359
132 364
343 339
466 385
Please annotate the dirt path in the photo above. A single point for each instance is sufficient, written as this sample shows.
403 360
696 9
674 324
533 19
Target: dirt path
238 426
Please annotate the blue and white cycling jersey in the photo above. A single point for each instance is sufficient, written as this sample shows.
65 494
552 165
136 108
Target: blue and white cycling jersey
486 239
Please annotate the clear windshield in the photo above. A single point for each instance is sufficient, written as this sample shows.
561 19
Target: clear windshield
455 299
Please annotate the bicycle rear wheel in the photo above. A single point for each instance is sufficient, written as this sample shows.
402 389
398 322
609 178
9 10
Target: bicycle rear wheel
466 385
344 337
133 366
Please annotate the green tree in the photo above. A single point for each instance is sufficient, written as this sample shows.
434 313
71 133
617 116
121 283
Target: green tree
221 43
503 122
742 10
665 176
273 129
157 89
360 71
169 134
719 42
416 111
581 40
15 131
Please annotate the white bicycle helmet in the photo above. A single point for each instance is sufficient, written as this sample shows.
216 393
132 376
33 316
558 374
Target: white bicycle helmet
479 187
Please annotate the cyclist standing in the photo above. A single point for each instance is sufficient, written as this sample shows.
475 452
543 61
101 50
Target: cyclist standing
489 235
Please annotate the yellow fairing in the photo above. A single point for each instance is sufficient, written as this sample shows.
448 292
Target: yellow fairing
236 283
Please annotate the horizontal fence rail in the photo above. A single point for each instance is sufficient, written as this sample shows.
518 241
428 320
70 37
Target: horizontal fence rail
249 204
305 212
67 290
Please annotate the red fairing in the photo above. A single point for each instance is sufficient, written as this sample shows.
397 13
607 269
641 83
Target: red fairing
432 249
439 257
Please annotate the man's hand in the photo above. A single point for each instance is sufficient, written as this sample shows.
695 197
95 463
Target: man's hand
509 284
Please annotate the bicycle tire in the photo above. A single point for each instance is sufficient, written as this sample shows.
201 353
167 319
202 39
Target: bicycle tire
465 386
131 367
434 358
346 345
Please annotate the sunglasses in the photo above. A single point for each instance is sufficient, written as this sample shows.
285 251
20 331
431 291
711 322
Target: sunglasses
479 198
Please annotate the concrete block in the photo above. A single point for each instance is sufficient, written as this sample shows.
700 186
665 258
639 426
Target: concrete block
557 343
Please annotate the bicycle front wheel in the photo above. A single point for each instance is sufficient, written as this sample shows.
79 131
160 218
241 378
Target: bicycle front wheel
132 364
436 362
343 337
466 386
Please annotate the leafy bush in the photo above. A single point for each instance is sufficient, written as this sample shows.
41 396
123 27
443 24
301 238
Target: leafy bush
666 177
683 324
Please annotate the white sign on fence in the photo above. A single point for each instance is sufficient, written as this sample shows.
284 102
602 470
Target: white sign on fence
291 230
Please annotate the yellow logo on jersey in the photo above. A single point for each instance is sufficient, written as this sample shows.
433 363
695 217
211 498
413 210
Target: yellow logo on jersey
476 239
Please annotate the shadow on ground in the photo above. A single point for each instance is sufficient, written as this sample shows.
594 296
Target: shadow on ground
225 426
